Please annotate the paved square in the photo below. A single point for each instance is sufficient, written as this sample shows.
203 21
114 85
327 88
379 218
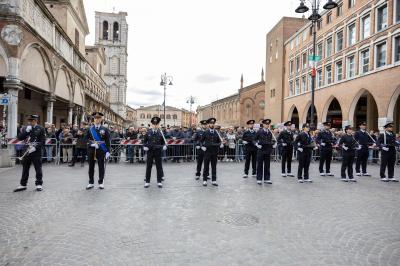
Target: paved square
239 223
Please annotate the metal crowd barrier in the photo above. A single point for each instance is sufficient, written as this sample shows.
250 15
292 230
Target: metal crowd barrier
51 146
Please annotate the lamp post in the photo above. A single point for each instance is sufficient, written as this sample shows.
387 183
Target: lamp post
191 100
165 80
314 18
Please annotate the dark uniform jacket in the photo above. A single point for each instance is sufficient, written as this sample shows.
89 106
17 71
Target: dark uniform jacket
104 135
286 136
390 141
153 140
265 139
250 136
37 137
211 140
325 139
363 139
304 141
349 142
197 137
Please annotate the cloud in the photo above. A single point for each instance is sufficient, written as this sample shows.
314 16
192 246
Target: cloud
210 78
144 92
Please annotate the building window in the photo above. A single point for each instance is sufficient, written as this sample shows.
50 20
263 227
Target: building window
382 17
291 67
339 10
261 105
329 47
339 41
328 18
304 36
297 40
115 31
350 66
105 30
328 74
168 116
309 81
304 56
148 116
396 49
365 27
304 83
297 86
142 116
76 38
291 88
339 70
397 11
298 64
174 117
351 3
364 61
380 55
291 44
319 78
319 24
319 50
352 34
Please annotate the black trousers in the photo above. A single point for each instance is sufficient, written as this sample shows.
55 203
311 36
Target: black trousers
210 157
263 165
200 159
325 157
304 164
79 152
26 165
362 159
154 155
100 156
388 159
347 164
251 156
287 154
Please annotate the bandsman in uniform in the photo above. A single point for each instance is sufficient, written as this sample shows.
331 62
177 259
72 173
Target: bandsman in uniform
35 138
326 140
154 144
250 150
366 142
99 146
304 145
387 143
285 140
349 145
265 142
200 153
211 141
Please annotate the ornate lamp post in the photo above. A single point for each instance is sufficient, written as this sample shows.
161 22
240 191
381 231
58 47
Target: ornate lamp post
165 80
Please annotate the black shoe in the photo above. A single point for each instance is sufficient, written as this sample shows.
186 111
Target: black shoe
20 188
197 177
71 165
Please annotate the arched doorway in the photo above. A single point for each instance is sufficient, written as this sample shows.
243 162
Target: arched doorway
334 114
366 110
396 115
295 117
308 118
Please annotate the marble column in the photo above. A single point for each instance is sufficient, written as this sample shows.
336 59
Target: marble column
12 86
70 112
50 108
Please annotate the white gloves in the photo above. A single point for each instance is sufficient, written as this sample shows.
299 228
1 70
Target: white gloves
315 148
245 142
359 147
300 149
145 148
258 146
28 129
94 145
221 146
385 148
197 147
107 155
323 144
274 146
345 148
204 148
174 138
164 147
284 144
31 149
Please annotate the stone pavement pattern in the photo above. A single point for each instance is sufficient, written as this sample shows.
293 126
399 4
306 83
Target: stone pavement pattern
239 223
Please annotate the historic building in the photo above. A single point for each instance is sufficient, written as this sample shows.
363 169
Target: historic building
203 112
189 119
252 101
173 116
112 34
358 76
131 117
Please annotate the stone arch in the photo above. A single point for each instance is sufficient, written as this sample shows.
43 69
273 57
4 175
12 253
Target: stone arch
392 104
294 116
305 112
354 104
63 84
42 77
291 110
328 103
79 98
4 65
260 92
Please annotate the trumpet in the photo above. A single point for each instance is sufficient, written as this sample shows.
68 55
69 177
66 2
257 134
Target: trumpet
30 146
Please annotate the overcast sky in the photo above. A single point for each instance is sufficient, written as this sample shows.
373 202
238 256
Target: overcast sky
205 45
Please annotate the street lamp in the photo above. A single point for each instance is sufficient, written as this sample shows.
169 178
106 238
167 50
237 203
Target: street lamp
165 80
191 100
314 18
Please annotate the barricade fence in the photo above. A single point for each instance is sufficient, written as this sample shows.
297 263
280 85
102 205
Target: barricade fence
177 150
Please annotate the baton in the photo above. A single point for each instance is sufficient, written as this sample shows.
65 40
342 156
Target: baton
162 134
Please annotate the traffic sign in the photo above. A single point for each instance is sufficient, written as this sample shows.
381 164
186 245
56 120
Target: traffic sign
4 100
314 58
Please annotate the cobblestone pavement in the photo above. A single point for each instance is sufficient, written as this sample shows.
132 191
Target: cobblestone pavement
238 223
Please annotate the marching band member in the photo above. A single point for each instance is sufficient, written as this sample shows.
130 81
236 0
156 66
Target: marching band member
349 145
154 143
325 139
250 150
304 145
200 153
366 142
265 143
211 141
98 139
285 140
387 143
35 137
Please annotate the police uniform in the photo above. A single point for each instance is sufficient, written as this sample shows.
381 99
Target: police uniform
349 145
387 143
325 140
265 143
210 141
99 146
250 150
200 153
365 141
304 146
285 140
154 143
35 137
